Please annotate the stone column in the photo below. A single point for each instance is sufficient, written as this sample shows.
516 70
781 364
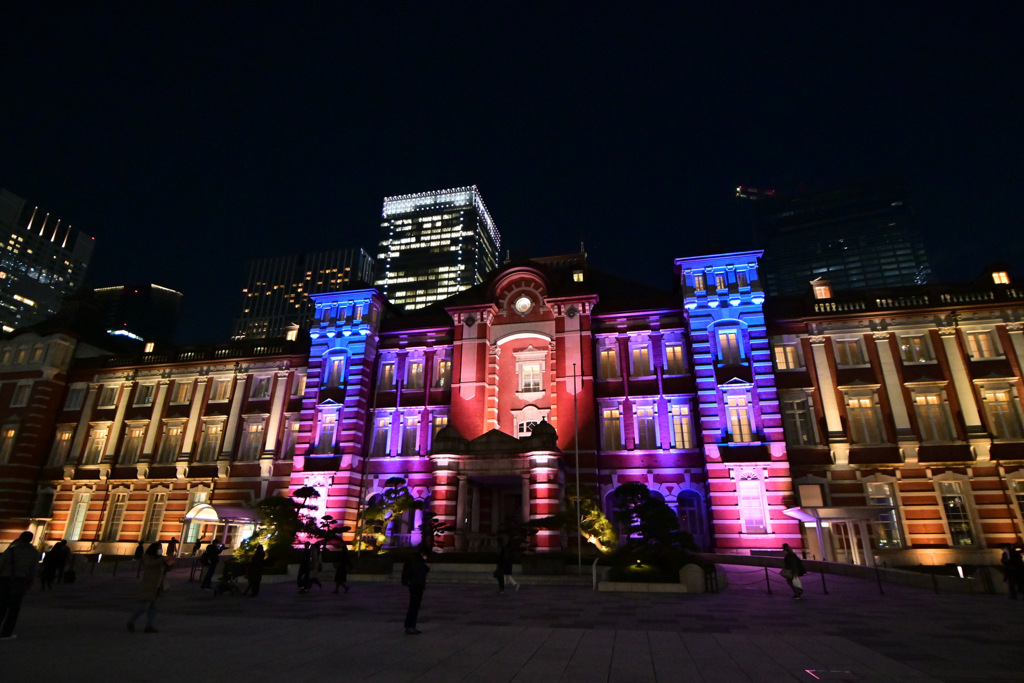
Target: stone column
893 387
827 388
461 542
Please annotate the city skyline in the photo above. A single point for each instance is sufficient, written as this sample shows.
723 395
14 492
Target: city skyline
276 132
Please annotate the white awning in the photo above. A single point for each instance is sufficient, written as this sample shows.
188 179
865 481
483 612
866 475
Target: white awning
213 514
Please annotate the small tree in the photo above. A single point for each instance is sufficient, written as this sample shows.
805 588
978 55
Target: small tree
595 527
394 501
280 522
652 527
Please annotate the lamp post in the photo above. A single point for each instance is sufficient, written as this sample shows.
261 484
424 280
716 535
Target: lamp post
576 441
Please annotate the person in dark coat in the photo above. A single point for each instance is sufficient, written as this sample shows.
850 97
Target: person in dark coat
17 570
210 559
140 550
61 556
342 565
154 566
304 578
793 570
172 547
254 571
1013 569
49 572
503 572
414 575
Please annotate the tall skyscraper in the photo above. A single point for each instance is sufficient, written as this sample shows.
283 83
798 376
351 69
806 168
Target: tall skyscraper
433 245
858 237
43 261
276 296
146 313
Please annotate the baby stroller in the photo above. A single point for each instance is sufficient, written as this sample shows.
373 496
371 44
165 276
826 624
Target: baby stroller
228 581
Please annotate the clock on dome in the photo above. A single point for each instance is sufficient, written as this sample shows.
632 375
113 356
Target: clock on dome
523 305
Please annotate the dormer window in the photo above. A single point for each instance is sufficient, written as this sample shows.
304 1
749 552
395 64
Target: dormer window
822 291
1001 277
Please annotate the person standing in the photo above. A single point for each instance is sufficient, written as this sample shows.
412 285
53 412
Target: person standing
18 567
1013 569
210 559
154 566
342 564
304 577
793 570
61 557
503 572
414 576
255 571
172 547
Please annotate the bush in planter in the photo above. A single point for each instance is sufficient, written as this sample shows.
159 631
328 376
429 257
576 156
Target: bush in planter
656 546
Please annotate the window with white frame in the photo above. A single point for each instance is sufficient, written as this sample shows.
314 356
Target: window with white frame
132 446
77 514
108 396
182 391
865 418
210 440
334 371
798 421
442 377
682 427
751 498
260 388
729 350
700 282
170 442
298 386
525 428
440 422
410 434
291 438
611 429
1000 403
887 528
915 348
415 373
196 496
155 507
641 361
675 361
822 291
252 441
325 436
933 416
76 396
739 418
8 435
61 445
849 352
221 390
144 394
787 357
721 281
609 365
646 434
955 510
37 354
530 376
981 344
115 515
97 444
381 429
5 356
387 377
19 398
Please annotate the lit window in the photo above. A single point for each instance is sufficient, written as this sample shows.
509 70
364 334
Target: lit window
132 447
209 442
170 444
933 417
1001 277
381 428
1002 413
415 375
387 376
144 394
887 529
252 442
729 352
530 377
61 446
7 437
739 419
915 349
260 388
848 352
108 397
97 444
674 359
182 391
410 435
77 514
721 282
334 368
221 390
981 345
752 511
798 420
787 357
641 361
609 364
865 419
699 282
154 517
610 429
115 516
682 427
741 279
958 517
444 369
822 291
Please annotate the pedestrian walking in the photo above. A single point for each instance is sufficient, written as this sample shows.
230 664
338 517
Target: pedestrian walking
62 558
254 572
210 559
17 570
140 550
154 567
49 573
414 576
793 569
342 565
1013 569
506 558
172 547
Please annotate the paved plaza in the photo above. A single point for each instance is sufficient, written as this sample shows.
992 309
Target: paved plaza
540 633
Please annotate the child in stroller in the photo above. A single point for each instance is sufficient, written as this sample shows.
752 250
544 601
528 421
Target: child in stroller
228 581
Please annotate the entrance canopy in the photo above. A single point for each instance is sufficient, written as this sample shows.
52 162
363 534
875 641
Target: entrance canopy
852 517
209 514
834 514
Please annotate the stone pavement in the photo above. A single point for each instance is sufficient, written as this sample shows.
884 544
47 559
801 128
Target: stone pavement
541 633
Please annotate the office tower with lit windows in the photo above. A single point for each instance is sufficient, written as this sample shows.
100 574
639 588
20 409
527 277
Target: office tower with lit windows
42 262
145 313
858 237
276 296
433 245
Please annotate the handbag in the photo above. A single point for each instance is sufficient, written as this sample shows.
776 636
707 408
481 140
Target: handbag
786 574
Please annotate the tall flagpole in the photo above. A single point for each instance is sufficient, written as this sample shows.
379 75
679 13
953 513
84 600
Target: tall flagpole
576 431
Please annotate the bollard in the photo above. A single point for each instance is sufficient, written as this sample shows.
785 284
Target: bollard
823 586
878 576
767 582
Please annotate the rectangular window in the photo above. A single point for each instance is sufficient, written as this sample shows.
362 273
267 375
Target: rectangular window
182 392
699 282
61 446
132 446
260 388
415 375
299 386
741 279
76 396
77 514
798 421
848 352
97 444
675 361
252 441
530 377
887 528
751 506
154 517
410 435
721 282
611 429
195 497
981 345
325 439
380 436
641 361
609 364
444 371
387 376
333 372
739 419
682 427
1001 411
20 397
1018 494
645 431
210 441
729 347
291 438
933 417
440 422
115 515
865 420
787 357
7 437
954 507
916 349
144 394
221 390
108 397
170 444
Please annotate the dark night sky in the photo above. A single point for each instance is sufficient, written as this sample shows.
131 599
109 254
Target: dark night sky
190 137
